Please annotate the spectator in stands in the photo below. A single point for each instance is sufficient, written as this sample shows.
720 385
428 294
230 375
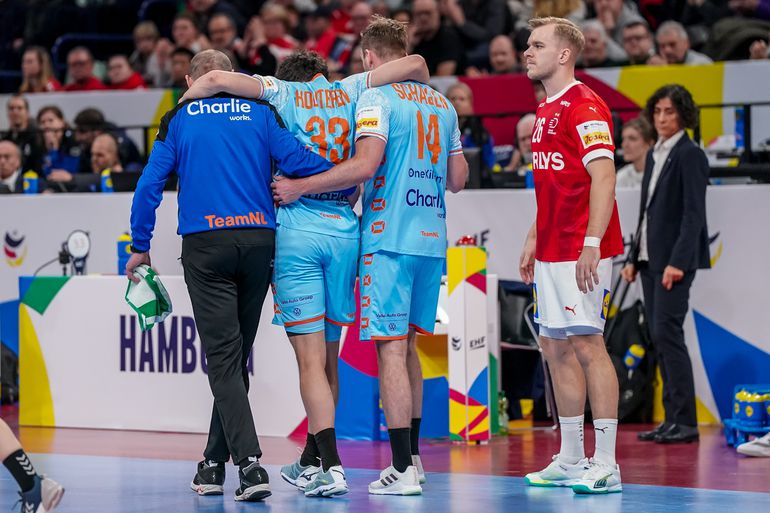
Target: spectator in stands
341 15
204 10
37 72
62 153
477 22
324 40
616 14
186 34
104 154
360 18
439 44
122 76
23 132
502 58
638 42
752 8
472 131
11 179
596 51
180 67
80 65
522 156
255 55
88 124
223 34
638 138
402 15
573 10
150 58
275 19
674 46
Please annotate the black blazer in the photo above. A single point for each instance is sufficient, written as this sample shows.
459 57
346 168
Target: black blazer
677 234
19 187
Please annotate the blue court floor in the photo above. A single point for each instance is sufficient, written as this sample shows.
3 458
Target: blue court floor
97 484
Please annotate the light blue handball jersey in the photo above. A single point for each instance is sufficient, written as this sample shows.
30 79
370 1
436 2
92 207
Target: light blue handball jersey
321 115
403 206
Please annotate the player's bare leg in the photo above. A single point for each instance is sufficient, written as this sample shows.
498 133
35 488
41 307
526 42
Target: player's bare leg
415 383
332 369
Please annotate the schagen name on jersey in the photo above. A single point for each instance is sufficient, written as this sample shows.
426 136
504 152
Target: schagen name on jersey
420 94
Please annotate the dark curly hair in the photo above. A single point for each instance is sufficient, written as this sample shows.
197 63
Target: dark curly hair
302 66
682 101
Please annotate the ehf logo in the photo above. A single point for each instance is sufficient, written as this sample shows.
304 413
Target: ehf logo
297 311
392 326
456 343
14 248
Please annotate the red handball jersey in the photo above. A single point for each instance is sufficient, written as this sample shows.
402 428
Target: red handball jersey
571 129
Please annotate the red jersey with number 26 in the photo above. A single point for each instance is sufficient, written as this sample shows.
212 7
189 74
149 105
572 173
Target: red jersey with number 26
571 129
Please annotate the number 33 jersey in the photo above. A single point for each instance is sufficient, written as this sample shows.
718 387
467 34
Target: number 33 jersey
320 114
572 128
403 205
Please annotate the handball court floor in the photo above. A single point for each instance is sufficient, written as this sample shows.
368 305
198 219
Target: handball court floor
131 472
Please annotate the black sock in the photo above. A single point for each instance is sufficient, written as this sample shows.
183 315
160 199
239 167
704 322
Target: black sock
326 440
246 462
415 436
21 469
399 446
310 454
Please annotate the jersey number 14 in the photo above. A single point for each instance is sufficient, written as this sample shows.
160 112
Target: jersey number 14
428 137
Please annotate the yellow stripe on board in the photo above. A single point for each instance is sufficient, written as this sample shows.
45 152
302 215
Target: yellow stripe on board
167 102
705 83
36 408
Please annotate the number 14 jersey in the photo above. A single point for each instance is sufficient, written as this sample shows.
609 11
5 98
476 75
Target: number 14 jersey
320 114
403 205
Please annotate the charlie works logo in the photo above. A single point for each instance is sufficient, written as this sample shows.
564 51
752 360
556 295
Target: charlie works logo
14 248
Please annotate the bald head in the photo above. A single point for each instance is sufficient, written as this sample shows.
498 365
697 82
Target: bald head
104 153
209 60
502 55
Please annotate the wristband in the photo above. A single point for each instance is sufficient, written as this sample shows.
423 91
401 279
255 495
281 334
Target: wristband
592 242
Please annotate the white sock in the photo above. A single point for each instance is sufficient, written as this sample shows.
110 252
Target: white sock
606 431
572 449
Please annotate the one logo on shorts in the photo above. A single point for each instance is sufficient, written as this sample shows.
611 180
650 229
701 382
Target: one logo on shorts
379 182
605 304
364 322
367 280
571 309
297 311
378 226
392 326
456 343
368 259
378 204
535 312
365 301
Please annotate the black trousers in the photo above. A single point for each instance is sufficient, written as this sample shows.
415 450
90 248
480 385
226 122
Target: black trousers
227 274
666 310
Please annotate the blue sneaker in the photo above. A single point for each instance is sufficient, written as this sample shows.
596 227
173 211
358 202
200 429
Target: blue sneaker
328 484
43 497
299 475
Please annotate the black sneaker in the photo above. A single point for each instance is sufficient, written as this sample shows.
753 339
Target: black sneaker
43 497
254 483
210 478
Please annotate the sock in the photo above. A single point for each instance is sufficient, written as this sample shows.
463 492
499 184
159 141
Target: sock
606 431
21 469
310 454
572 449
400 447
245 463
414 436
327 446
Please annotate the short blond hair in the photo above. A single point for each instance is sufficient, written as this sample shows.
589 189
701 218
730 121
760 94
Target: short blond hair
564 29
385 36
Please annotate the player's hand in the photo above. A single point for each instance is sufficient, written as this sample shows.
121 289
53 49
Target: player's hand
656 60
586 272
629 273
286 190
527 261
671 275
135 261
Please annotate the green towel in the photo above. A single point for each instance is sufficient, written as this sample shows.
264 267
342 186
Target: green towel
148 298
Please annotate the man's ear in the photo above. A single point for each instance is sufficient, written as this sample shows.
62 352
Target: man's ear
189 81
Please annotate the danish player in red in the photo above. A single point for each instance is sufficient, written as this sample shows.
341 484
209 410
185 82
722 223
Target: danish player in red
568 255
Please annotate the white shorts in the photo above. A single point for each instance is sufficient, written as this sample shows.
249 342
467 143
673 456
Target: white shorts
561 308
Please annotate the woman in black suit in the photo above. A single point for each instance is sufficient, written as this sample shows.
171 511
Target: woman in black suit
672 243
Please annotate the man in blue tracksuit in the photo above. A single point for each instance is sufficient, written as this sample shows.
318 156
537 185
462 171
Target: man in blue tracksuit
223 150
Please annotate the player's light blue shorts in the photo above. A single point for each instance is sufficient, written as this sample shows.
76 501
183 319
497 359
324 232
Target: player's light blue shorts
313 282
398 292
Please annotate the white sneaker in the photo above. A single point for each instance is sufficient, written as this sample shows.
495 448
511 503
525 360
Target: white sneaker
393 482
558 473
298 475
599 478
328 484
759 447
417 462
